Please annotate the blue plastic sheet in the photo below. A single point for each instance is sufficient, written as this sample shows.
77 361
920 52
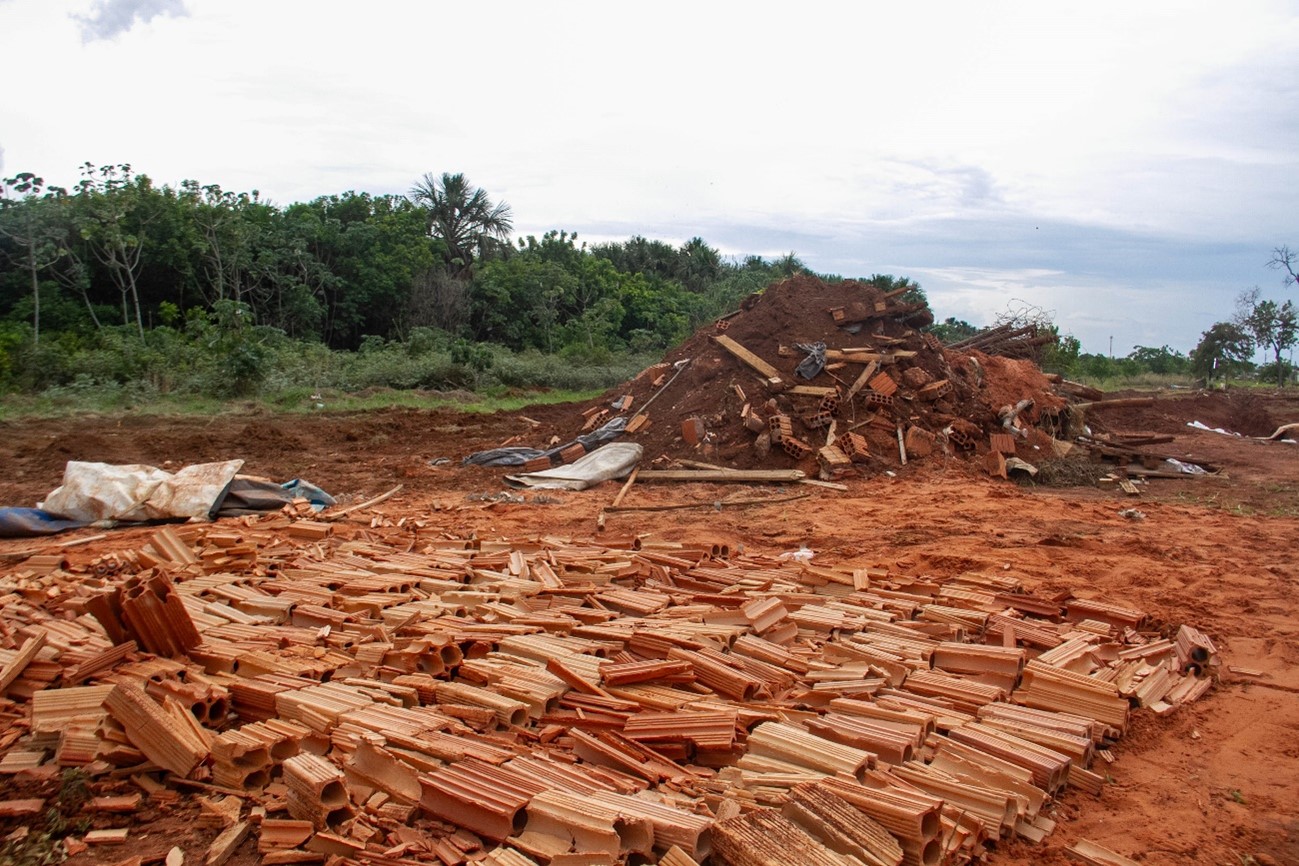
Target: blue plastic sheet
26 522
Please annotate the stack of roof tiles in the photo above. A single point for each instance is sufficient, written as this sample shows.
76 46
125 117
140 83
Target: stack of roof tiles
357 695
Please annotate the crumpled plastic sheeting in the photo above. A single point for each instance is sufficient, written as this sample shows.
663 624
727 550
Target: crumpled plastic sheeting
135 492
1188 468
513 456
814 363
610 461
517 456
1198 425
251 495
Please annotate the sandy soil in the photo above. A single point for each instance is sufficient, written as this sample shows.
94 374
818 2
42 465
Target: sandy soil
1212 784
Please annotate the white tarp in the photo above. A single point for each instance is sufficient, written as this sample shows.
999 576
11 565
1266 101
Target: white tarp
134 492
614 460
1199 425
1187 468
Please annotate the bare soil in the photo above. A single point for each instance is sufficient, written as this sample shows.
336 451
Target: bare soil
1213 783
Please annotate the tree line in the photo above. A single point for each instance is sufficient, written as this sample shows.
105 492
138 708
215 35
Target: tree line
119 250
120 266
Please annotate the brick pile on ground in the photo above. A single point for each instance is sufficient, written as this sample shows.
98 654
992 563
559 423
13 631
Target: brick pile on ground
883 375
392 694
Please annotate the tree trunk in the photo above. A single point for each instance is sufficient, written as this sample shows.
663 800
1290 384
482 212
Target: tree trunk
91 309
135 296
36 297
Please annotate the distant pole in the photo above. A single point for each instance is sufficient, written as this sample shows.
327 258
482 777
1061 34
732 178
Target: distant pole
1111 347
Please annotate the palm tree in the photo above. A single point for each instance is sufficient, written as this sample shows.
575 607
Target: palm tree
461 216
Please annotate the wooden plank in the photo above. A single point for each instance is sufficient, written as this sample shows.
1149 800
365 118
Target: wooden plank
731 475
382 497
864 356
810 391
828 485
225 844
761 366
722 504
1118 403
861 381
631 479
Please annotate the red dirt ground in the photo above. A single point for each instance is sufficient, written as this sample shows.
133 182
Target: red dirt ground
1212 784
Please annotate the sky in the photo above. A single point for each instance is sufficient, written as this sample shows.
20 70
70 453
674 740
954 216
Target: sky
1126 168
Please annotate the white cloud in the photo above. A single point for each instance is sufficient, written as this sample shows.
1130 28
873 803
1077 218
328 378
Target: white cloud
1141 138
108 19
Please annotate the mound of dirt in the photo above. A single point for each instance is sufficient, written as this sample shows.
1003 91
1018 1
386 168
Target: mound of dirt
1245 411
882 376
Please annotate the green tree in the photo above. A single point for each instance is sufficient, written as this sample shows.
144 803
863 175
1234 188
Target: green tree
1061 355
28 223
699 265
518 302
1274 326
223 237
461 216
115 215
639 255
1162 361
952 330
790 265
1224 349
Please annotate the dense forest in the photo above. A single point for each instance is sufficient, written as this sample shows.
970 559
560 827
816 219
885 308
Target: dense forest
119 282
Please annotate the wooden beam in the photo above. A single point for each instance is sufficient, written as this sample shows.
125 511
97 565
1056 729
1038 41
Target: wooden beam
766 370
631 479
721 504
861 381
742 475
864 355
810 391
366 504
225 844
828 485
1120 403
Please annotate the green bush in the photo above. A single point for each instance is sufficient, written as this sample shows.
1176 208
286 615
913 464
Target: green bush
532 369
222 355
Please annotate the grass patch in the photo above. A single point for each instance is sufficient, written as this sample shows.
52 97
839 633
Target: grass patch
491 400
1142 382
294 401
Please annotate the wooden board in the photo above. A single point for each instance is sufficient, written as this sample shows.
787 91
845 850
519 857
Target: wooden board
761 366
733 475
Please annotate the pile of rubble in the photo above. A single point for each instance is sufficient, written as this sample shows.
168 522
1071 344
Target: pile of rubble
394 695
836 379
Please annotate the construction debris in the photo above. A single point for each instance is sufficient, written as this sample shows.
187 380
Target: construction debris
872 378
982 400
361 695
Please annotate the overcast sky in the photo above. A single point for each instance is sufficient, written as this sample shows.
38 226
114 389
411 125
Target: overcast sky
1128 167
